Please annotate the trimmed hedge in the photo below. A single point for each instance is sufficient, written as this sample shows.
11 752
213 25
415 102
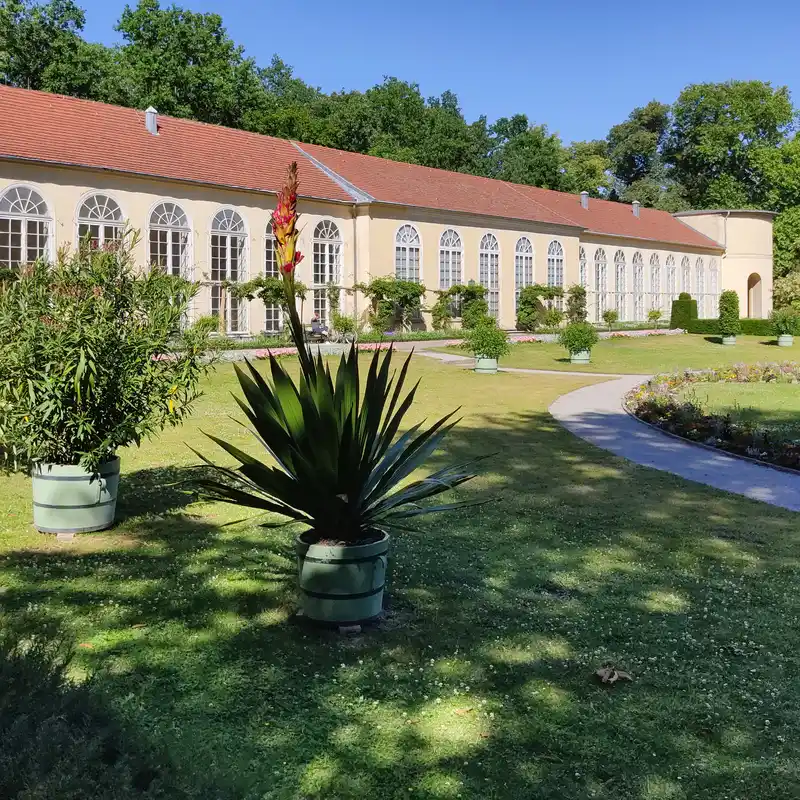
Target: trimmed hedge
684 312
750 327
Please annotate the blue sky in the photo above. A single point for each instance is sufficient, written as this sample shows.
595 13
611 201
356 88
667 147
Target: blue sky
579 66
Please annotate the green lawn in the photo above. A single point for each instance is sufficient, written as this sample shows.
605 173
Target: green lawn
651 354
774 405
479 683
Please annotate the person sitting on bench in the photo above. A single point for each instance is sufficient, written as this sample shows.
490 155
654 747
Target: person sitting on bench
317 328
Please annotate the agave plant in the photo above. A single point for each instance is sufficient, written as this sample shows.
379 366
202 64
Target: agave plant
339 459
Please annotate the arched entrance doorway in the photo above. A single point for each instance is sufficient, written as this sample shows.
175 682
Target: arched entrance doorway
754 296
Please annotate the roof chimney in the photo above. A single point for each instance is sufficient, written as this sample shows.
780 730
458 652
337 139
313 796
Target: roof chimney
637 208
151 120
584 199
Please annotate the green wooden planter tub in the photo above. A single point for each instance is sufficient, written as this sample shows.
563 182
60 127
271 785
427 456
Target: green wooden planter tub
485 366
341 583
582 357
67 499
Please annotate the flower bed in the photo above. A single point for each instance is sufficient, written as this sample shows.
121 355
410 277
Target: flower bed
281 352
659 402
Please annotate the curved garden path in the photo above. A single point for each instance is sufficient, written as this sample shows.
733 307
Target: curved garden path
596 415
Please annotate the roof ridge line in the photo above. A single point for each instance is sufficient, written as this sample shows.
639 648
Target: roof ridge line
359 195
542 205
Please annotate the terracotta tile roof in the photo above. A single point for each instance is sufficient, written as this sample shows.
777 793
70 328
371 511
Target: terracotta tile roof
412 185
65 130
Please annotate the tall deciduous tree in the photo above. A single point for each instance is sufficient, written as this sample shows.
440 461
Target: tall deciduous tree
718 136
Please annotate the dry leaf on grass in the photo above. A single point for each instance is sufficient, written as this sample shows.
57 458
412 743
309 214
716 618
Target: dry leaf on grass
86 644
462 711
610 675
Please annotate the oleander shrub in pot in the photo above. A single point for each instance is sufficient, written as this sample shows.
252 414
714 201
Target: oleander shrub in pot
94 356
488 344
729 323
337 464
579 338
786 324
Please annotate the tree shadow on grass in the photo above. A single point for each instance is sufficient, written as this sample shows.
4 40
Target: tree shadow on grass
158 490
484 686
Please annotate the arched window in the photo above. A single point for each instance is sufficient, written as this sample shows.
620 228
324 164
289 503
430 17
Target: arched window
686 278
168 239
672 284
555 269
450 258
273 318
620 284
228 263
583 277
406 254
700 286
638 286
327 267
713 289
489 271
523 266
100 218
655 283
25 226
600 283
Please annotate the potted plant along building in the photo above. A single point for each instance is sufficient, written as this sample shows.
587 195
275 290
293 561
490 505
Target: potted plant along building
488 344
786 324
338 463
579 338
92 358
730 326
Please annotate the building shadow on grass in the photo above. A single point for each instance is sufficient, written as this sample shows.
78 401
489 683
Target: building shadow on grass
480 681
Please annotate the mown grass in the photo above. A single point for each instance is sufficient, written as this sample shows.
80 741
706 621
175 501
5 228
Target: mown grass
771 405
651 354
479 682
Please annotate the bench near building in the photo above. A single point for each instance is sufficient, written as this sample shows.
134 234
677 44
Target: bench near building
202 194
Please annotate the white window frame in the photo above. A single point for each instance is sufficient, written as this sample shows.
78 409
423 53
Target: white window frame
555 268
115 227
26 220
713 275
637 264
185 266
601 283
447 252
620 284
524 267
225 302
700 285
686 275
332 265
404 250
273 315
672 279
489 271
656 301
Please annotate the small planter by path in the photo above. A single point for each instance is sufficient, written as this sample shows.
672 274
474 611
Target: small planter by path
729 341
341 583
68 499
581 357
785 340
485 366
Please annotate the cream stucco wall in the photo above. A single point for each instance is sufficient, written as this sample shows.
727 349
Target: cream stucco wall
747 239
368 231
386 221
64 190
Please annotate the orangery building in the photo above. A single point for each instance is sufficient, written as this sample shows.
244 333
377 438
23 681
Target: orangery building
201 195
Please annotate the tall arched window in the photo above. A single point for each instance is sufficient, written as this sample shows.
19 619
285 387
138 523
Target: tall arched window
228 263
713 289
489 271
600 283
555 268
25 227
686 276
583 275
273 318
638 286
523 266
100 218
406 254
672 283
620 284
450 258
327 247
168 239
655 283
700 286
